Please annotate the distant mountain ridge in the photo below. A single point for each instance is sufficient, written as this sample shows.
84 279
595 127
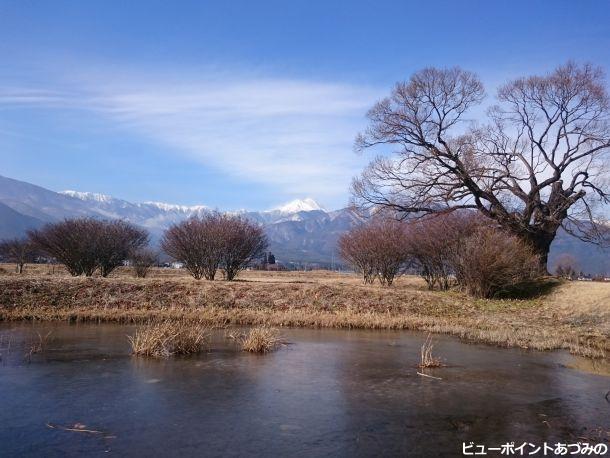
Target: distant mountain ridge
301 231
13 223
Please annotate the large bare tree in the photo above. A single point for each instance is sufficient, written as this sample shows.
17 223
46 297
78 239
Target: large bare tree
540 162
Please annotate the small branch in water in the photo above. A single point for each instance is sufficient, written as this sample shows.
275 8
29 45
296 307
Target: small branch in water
429 376
78 428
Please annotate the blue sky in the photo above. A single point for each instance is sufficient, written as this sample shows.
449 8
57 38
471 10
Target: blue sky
244 104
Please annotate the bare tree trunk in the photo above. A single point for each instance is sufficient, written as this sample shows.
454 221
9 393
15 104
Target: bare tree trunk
540 241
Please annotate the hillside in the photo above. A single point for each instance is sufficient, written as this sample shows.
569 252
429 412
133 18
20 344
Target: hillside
14 224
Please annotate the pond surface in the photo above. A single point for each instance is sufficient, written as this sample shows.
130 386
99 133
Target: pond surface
328 392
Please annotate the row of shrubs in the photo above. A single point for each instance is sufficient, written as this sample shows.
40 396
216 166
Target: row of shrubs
446 250
84 246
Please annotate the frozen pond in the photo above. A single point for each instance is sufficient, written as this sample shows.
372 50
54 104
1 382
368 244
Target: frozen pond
328 392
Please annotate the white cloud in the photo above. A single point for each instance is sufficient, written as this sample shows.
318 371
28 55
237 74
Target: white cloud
295 135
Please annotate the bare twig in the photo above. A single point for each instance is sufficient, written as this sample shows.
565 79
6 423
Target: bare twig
429 376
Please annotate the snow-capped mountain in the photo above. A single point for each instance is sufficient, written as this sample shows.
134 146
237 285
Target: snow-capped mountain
299 231
299 205
88 196
155 216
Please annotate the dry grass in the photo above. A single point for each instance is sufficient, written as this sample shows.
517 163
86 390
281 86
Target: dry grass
427 359
575 316
168 338
260 340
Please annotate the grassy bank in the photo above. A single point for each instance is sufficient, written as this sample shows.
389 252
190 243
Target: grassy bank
574 316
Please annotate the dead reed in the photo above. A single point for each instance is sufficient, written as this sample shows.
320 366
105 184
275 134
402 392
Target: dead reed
260 340
427 359
169 338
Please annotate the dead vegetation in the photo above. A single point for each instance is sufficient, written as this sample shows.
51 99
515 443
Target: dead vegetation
37 344
575 316
169 338
260 340
426 358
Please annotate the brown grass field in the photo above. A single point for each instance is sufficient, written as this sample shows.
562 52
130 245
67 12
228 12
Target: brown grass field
574 315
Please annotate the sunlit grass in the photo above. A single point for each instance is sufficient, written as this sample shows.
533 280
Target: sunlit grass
575 316
260 340
169 338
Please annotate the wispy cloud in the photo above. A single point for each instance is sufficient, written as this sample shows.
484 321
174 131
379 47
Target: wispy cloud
293 134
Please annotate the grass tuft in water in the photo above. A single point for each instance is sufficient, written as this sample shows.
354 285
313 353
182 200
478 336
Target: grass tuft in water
261 340
169 338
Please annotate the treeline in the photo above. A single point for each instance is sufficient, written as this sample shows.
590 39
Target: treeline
456 249
85 246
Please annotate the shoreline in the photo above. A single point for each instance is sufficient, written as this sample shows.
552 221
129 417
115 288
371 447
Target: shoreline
311 301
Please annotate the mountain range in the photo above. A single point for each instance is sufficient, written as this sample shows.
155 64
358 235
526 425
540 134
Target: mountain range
300 232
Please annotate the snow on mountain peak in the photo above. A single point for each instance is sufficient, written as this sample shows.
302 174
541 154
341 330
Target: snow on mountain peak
299 205
87 196
172 207
295 206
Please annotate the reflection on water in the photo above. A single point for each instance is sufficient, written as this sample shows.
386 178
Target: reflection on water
593 366
326 393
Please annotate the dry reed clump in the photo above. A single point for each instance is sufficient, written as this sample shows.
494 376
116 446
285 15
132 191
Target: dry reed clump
427 359
169 338
260 340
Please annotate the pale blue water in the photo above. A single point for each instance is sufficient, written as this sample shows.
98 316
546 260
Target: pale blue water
327 393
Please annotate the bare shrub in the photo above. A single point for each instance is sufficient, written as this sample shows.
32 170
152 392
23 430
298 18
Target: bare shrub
356 249
85 244
391 247
261 340
242 242
19 251
115 241
197 243
377 249
490 262
432 241
169 338
142 260
71 242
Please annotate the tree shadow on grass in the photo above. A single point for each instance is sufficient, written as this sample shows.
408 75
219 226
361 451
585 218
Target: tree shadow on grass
531 289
